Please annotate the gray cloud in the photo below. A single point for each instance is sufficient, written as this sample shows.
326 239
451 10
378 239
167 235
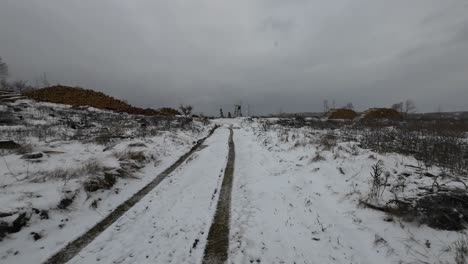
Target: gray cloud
273 55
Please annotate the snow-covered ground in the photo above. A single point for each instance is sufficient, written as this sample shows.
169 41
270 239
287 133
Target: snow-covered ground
295 201
40 187
296 198
171 223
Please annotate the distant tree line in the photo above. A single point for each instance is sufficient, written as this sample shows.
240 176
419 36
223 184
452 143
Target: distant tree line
327 107
406 107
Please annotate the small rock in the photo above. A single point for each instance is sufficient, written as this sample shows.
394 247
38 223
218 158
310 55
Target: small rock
94 204
65 202
36 236
428 244
195 243
19 222
388 219
44 215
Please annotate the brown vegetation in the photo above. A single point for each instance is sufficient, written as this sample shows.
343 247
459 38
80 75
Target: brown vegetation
382 113
342 114
76 96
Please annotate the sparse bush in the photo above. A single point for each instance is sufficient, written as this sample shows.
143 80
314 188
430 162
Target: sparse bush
379 181
283 135
299 143
89 167
446 209
442 210
328 141
95 183
138 156
186 110
137 144
107 136
446 149
461 250
318 157
67 200
299 119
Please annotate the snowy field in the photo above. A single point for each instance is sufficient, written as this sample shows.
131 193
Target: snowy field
296 200
83 173
300 194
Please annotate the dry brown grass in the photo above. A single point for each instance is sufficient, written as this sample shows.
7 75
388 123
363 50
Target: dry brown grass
138 156
77 96
382 113
342 114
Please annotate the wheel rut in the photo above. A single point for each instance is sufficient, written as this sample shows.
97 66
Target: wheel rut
74 247
217 247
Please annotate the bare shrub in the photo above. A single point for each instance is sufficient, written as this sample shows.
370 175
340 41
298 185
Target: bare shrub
109 135
444 148
380 242
328 141
318 157
446 209
67 200
138 156
90 167
137 144
299 143
442 210
283 135
186 109
95 183
379 181
461 250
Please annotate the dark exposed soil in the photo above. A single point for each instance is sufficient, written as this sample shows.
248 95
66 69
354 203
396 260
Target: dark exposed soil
216 250
9 144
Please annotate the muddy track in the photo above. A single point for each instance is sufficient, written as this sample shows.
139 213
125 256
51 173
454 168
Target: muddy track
74 247
216 250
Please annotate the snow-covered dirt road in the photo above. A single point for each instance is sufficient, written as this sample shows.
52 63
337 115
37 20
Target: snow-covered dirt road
171 223
284 198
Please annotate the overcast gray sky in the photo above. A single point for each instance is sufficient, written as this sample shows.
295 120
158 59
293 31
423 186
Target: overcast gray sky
274 55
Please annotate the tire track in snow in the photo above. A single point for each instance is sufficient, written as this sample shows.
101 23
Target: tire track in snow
216 250
74 247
